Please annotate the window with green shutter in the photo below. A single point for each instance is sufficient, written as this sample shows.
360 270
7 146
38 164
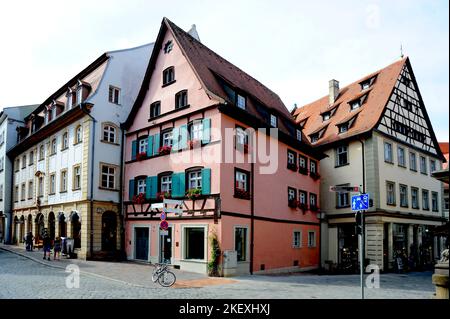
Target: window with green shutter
152 187
156 143
178 184
206 138
206 181
150 146
131 189
133 150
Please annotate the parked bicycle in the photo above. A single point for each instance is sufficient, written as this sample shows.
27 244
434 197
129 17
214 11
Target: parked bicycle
163 275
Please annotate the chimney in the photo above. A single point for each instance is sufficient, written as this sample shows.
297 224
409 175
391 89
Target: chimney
193 32
334 91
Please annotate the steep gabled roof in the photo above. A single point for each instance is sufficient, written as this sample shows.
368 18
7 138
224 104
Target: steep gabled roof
206 64
369 113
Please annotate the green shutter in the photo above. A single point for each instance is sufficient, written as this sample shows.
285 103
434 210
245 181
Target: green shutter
133 150
156 141
152 186
131 189
206 181
175 134
178 185
148 189
184 137
206 131
150 146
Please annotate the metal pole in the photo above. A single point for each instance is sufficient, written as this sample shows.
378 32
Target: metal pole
361 266
362 241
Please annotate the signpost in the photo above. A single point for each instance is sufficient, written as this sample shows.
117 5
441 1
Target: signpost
164 224
360 203
344 189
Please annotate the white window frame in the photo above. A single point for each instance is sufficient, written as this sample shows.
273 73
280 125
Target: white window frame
403 195
291 157
292 193
184 241
425 199
113 99
401 159
141 186
235 228
241 136
143 144
423 168
77 177
299 135
166 183
412 161
296 242
52 184
196 130
273 120
314 241
340 151
312 200
388 155
109 176
241 181
64 175
110 132
195 178
415 199
167 139
390 193
434 208
241 101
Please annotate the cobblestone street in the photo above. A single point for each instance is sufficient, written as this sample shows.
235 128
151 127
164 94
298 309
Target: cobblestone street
22 275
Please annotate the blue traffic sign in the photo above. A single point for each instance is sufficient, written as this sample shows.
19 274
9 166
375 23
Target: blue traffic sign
360 202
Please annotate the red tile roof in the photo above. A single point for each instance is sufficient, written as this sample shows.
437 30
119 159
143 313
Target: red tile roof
368 114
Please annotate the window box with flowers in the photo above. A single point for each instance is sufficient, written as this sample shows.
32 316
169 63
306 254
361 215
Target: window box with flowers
141 156
314 175
241 193
303 206
163 195
292 167
194 193
139 199
194 144
293 203
164 150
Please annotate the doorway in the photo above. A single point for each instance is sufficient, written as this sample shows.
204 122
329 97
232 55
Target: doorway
165 246
109 231
141 243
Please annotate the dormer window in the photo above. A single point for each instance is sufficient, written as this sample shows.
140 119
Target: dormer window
318 134
315 138
355 105
273 120
326 116
71 98
343 128
168 76
299 135
82 91
366 84
241 101
114 95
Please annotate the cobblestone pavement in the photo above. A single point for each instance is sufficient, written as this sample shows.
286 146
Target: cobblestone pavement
22 277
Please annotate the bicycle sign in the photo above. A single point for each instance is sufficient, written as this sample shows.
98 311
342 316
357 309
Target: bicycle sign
360 202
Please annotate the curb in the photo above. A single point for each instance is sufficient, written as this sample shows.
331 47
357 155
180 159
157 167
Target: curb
81 271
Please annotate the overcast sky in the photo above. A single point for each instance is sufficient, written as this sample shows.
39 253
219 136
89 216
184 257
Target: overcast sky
293 47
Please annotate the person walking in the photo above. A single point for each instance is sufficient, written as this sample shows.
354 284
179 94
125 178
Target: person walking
47 245
57 248
29 241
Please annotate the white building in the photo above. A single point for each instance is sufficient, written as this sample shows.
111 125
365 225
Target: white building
67 162
377 135
10 119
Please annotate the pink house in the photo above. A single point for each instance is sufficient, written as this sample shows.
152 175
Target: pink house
199 133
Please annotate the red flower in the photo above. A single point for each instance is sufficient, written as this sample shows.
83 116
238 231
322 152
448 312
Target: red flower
241 193
139 199
194 144
163 195
164 150
141 156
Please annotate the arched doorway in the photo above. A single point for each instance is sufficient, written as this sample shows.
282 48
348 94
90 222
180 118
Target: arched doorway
40 227
15 230
22 229
51 225
109 231
30 223
62 224
76 229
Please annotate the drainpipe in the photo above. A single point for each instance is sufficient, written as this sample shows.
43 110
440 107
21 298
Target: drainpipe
91 248
252 212
122 210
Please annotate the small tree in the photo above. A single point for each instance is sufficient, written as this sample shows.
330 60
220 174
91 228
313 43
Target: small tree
213 264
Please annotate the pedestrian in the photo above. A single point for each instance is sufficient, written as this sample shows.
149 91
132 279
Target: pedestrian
57 248
47 245
29 241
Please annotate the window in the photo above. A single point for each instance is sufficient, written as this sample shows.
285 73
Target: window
313 201
41 186
22 192
434 202
241 138
314 138
240 243
78 134
326 116
141 186
311 239
169 75
342 155
415 197
241 101
196 130
31 158
30 190
195 179
167 138
299 135
390 193
1 192
52 186
343 128
407 104
70 95
63 187
17 165
41 152
181 99
312 167
355 104
302 197
343 199
77 177
242 179
303 162
24 161
109 133
412 162
114 95
403 195
16 194
108 176
292 160
446 204
365 85
155 109
296 239
425 200
143 143
388 152
194 243
423 165
166 184
292 194
401 156
273 120
65 141
432 166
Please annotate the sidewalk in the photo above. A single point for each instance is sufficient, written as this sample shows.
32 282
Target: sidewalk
126 272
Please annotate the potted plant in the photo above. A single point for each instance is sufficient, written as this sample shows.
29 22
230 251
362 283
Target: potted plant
292 167
162 195
164 150
293 203
194 193
194 144
139 199
141 156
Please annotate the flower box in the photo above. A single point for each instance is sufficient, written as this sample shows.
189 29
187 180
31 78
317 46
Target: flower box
241 193
194 193
314 176
292 167
164 150
163 195
194 144
293 203
139 199
141 156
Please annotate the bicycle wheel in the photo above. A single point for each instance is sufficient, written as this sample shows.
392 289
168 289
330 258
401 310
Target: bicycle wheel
167 279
